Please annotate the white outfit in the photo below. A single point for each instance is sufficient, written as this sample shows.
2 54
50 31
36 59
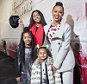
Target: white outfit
43 72
61 50
37 75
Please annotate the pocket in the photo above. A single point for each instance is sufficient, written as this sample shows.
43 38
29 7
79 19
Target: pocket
57 40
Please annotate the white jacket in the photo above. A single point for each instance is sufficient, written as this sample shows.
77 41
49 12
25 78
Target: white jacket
36 73
60 47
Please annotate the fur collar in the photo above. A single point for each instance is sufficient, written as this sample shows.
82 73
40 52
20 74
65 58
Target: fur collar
48 61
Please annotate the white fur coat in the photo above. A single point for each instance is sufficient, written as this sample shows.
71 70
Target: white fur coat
36 73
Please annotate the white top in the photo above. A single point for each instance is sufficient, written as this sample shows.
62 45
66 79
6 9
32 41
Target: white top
43 73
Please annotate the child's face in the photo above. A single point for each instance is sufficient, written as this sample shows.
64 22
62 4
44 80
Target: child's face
42 54
36 17
27 39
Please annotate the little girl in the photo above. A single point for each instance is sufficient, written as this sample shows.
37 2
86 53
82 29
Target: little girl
24 57
42 72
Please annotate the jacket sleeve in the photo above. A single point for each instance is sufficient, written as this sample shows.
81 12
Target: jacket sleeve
32 74
62 53
17 64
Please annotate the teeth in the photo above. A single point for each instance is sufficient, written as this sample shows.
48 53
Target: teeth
37 19
57 17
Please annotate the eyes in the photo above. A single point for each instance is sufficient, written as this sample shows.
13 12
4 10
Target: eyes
42 52
36 14
58 10
26 36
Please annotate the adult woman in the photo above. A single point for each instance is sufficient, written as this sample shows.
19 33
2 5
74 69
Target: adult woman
37 23
59 37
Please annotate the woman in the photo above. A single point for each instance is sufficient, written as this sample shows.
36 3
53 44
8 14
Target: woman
59 37
37 23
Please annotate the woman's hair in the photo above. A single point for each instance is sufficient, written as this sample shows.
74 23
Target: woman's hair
59 4
43 22
22 45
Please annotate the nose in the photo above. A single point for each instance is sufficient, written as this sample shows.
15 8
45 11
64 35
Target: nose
42 54
27 39
57 14
36 16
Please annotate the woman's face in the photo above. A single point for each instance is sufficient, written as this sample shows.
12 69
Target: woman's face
27 39
42 54
57 13
36 17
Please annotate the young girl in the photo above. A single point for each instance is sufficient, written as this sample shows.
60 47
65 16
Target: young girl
24 57
37 23
42 69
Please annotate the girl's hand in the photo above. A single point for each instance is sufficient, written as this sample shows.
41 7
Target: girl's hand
54 69
21 23
18 79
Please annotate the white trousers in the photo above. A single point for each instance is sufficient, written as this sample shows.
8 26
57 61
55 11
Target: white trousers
67 77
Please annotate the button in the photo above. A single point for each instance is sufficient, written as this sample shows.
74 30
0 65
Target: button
59 43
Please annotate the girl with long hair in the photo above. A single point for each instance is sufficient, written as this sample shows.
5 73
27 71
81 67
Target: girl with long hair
24 57
37 23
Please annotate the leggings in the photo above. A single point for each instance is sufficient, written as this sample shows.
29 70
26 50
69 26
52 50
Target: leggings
67 77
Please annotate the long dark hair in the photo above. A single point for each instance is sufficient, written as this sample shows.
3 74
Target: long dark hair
22 45
43 22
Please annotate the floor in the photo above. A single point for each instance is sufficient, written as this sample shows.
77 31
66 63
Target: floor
7 70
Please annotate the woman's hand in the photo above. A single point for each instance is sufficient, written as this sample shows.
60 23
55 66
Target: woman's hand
18 79
54 69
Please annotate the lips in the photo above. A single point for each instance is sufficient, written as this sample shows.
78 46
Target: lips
28 42
37 19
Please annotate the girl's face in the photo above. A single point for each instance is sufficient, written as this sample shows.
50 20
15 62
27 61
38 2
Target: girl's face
36 17
27 39
57 13
42 54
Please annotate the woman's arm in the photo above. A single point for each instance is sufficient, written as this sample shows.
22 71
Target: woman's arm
62 53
